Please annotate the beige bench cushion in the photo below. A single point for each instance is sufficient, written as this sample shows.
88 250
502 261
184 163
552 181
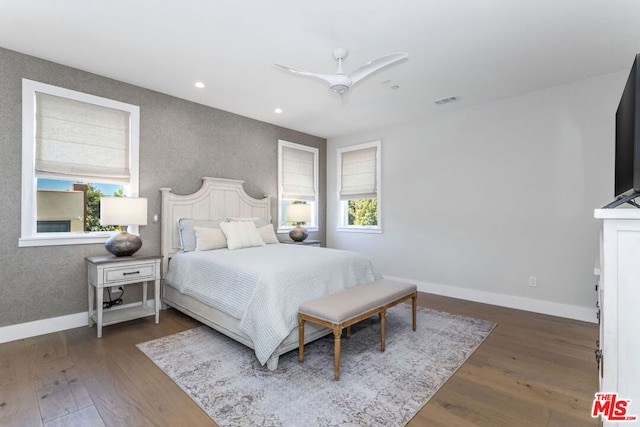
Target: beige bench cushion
344 305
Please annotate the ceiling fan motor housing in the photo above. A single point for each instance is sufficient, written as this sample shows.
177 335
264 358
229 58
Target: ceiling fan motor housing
339 88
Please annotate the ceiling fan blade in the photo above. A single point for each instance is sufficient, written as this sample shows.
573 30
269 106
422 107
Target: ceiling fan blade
338 83
373 66
330 78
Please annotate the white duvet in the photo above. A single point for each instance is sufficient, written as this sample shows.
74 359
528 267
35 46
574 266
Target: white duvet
264 286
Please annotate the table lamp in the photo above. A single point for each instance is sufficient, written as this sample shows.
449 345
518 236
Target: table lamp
298 213
123 211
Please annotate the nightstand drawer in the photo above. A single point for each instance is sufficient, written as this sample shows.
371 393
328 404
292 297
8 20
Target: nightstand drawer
141 272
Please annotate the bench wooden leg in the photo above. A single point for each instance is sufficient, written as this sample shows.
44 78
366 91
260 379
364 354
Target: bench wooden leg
337 331
383 333
300 340
414 301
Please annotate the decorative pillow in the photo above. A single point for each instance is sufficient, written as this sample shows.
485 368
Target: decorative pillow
259 222
188 235
241 234
209 238
268 234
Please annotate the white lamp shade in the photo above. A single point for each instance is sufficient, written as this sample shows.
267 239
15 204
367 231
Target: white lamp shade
298 213
123 211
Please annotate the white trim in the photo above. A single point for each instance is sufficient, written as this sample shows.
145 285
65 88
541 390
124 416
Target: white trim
54 239
575 312
342 214
54 324
61 239
28 233
283 230
361 229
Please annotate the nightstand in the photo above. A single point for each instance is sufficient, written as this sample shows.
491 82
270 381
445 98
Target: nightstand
106 271
303 243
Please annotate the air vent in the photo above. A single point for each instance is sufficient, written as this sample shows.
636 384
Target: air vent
446 100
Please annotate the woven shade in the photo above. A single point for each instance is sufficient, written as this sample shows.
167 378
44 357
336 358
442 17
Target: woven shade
359 178
298 174
76 139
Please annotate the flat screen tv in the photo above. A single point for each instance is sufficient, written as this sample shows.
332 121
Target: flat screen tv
627 160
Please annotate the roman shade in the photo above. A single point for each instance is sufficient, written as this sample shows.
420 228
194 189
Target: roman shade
359 177
298 174
76 139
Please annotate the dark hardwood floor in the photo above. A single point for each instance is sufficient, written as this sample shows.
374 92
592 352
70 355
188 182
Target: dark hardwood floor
533 370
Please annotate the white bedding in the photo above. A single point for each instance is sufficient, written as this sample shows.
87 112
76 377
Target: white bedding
264 286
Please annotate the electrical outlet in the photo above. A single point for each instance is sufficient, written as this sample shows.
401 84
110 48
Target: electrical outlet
116 290
533 281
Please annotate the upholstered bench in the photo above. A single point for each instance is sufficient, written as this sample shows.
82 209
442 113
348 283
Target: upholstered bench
344 308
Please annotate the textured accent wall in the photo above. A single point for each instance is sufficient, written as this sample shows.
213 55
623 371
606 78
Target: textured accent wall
180 142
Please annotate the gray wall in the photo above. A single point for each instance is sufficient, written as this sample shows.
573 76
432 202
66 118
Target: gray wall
180 142
493 194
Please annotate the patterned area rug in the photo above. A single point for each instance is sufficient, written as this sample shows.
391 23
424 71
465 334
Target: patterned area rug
375 388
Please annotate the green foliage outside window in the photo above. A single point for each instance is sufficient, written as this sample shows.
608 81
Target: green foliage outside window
93 209
363 212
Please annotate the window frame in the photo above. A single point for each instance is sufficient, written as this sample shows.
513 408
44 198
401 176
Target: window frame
28 233
313 225
343 213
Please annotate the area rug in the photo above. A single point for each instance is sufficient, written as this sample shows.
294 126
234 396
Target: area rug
375 388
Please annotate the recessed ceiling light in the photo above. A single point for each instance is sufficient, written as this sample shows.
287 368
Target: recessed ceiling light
199 85
278 111
395 87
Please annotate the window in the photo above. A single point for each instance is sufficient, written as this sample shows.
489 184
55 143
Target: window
297 182
76 148
359 188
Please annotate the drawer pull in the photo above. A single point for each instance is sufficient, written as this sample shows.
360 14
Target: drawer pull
130 273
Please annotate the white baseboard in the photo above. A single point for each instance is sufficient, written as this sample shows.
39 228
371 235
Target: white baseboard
54 324
575 312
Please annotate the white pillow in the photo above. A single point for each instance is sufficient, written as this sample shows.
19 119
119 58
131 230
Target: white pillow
241 234
256 220
268 234
188 235
209 238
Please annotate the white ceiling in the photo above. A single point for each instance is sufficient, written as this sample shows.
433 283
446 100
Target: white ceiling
478 50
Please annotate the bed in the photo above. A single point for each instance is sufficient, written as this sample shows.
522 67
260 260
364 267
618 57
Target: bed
251 292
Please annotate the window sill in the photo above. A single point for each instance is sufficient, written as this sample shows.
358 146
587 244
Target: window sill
282 230
54 239
372 230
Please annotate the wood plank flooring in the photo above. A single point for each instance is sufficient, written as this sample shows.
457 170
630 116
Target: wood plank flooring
533 370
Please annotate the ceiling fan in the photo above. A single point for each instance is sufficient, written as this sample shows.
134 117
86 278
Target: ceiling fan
341 82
